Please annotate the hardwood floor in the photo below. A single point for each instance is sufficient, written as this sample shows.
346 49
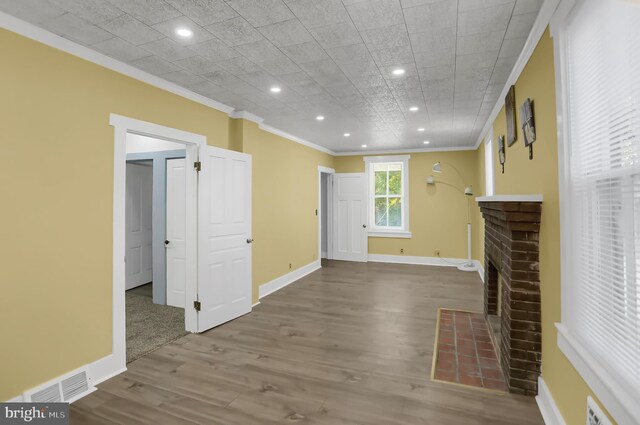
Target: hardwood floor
351 343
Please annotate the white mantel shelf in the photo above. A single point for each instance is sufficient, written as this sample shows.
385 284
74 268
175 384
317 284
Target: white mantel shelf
510 198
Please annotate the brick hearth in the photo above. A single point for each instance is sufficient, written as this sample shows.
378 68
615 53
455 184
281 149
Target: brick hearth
511 249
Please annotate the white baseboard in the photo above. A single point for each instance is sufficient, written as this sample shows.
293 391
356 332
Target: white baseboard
547 405
258 303
287 279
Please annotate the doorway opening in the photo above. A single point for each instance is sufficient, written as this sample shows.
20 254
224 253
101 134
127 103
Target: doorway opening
325 213
155 227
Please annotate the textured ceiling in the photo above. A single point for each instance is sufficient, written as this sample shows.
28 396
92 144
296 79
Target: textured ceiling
330 57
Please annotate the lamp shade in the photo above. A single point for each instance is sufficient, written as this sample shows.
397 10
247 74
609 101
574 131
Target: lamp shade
437 167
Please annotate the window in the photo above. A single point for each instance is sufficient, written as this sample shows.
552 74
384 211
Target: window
488 165
388 195
601 284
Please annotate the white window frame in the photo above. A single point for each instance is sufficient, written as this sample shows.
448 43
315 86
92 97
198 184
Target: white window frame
489 189
386 232
621 403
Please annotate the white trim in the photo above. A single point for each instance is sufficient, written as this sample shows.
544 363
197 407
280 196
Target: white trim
619 401
329 253
423 261
287 279
255 304
385 232
116 362
539 26
489 164
510 198
390 234
16 399
401 151
246 115
480 269
547 405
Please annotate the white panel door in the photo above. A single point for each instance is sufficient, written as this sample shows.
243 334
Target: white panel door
350 217
175 243
224 236
138 225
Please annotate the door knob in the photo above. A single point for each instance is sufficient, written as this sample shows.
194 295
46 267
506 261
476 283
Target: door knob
249 240
166 242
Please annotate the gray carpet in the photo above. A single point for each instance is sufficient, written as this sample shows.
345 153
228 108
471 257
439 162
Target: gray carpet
149 325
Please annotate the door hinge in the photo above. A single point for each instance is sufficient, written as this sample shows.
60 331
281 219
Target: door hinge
197 165
196 305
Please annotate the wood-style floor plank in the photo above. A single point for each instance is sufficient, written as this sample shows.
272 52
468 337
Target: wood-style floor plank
349 344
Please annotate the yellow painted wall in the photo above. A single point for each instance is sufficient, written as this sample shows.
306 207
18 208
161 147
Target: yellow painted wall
285 199
56 170
437 214
540 176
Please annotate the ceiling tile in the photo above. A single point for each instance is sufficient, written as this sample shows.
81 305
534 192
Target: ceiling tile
295 78
94 11
286 33
148 11
260 51
235 31
393 56
131 30
198 65
305 52
76 29
204 12
119 49
371 14
169 28
431 17
512 47
386 38
260 79
183 78
482 20
520 25
169 50
34 11
527 6
239 65
214 50
469 5
206 88
261 12
155 65
480 43
280 66
336 35
352 52
319 13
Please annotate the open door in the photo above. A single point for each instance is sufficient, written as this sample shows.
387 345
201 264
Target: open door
176 232
224 236
138 225
350 217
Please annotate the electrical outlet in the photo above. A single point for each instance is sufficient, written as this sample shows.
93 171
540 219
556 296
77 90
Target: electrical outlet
289 266
437 252
401 250
595 415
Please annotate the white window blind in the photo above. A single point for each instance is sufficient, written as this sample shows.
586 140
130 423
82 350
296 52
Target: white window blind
603 75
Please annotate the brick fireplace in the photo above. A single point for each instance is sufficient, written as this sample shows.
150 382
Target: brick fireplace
511 249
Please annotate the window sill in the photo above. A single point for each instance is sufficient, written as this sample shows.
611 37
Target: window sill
389 234
611 391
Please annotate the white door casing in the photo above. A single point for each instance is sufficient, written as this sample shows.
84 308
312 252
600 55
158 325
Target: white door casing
138 225
175 243
224 236
350 217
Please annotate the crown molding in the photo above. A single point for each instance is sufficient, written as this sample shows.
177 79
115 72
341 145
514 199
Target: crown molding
399 151
296 139
246 115
539 26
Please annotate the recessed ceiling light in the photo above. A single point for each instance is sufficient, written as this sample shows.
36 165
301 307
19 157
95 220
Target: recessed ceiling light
398 71
421 129
364 146
413 108
184 32
320 117
426 142
275 89
347 134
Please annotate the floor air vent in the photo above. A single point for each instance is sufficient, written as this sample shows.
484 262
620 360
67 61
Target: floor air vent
50 394
74 386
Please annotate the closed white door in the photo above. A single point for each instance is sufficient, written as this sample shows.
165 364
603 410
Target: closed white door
224 236
138 225
175 243
350 217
